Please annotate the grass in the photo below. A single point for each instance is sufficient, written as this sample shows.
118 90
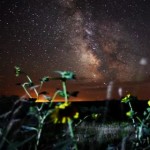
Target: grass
102 135
90 134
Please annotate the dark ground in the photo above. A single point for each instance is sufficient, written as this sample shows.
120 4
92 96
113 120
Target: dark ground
112 115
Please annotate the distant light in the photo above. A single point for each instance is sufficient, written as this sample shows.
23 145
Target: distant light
109 90
143 61
42 101
120 92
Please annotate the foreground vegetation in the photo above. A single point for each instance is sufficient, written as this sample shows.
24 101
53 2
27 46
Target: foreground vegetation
36 122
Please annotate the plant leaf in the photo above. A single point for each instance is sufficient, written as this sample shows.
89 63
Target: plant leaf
45 79
44 92
148 109
66 75
29 128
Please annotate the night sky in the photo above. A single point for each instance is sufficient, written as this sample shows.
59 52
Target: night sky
104 42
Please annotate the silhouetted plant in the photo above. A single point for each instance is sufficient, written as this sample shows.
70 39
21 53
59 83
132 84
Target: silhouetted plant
141 125
42 108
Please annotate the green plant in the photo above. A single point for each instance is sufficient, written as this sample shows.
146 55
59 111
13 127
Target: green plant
141 125
42 108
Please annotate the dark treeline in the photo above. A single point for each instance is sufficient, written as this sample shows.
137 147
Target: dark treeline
109 110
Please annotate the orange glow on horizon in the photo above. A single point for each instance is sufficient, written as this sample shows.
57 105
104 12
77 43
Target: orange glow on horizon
138 89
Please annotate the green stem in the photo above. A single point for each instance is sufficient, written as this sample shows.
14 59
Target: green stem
69 121
65 91
82 120
70 129
29 78
39 134
72 133
53 98
41 107
131 109
48 112
148 116
139 120
36 92
31 82
26 90
40 127
40 89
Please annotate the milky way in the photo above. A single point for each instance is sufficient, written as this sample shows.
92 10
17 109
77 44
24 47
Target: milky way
103 49
102 41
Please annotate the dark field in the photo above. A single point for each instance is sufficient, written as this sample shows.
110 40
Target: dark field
101 125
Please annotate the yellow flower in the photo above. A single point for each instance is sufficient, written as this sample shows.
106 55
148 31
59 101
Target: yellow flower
76 116
95 116
126 99
64 113
149 103
63 106
130 114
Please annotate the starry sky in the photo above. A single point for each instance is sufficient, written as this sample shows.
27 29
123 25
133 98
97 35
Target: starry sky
104 42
